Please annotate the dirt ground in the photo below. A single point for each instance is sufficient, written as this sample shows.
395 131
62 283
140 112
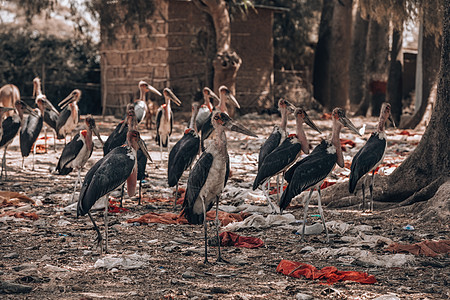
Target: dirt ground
56 256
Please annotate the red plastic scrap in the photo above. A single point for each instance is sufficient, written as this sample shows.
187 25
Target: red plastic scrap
114 209
232 239
406 132
345 142
326 184
427 248
330 274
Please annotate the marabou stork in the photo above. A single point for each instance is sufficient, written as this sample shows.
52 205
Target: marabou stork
313 169
209 176
280 159
183 153
370 156
69 116
277 136
164 120
205 111
208 128
140 105
77 152
3 110
107 174
31 127
51 114
10 127
119 136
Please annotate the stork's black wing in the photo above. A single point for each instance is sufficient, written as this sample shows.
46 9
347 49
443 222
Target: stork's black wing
314 168
105 176
62 119
206 131
11 126
141 164
196 181
29 133
50 118
272 142
277 160
116 138
181 157
203 115
69 153
366 159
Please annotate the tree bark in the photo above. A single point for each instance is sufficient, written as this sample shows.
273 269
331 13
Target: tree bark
357 59
395 86
321 80
340 54
377 51
431 159
227 62
430 68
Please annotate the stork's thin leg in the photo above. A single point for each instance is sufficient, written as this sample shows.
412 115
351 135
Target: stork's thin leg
45 136
160 152
219 258
371 191
205 227
275 208
280 191
305 213
121 194
363 186
140 189
4 163
54 140
76 184
34 152
99 235
106 221
319 204
23 160
176 197
278 188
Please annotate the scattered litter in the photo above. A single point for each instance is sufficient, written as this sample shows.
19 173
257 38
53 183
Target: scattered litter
260 222
342 227
232 239
52 268
316 228
126 262
427 248
387 297
330 274
172 218
363 239
409 227
21 214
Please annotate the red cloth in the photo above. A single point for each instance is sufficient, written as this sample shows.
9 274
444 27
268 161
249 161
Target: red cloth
405 132
232 239
32 216
114 209
330 274
171 218
347 142
427 248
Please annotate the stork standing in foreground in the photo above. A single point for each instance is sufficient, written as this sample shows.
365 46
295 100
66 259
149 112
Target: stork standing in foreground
208 128
164 120
31 127
277 137
69 116
313 169
205 111
140 105
280 159
51 114
77 152
209 176
370 156
183 153
107 174
11 126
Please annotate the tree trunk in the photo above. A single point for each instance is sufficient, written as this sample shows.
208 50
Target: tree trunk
357 59
321 80
377 51
430 68
395 87
227 62
430 161
340 54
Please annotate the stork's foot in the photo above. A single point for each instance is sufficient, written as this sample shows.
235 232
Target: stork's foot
220 259
206 261
99 243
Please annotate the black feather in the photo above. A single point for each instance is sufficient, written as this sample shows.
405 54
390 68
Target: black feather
29 133
181 157
11 126
272 142
70 152
115 139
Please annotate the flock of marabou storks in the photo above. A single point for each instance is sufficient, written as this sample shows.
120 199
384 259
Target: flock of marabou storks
126 154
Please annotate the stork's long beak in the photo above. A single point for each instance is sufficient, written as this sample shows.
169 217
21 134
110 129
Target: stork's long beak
49 105
95 130
392 120
347 123
122 126
66 101
233 100
311 124
144 149
235 126
214 97
154 90
290 106
31 111
173 97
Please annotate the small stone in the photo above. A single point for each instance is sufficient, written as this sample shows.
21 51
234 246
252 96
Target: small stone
187 275
307 249
182 241
11 255
14 288
77 288
301 296
219 290
25 266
